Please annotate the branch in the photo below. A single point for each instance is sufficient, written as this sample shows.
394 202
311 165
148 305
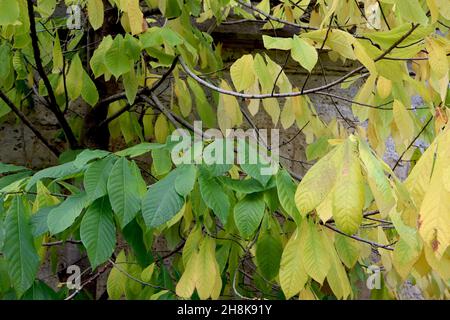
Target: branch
292 94
28 123
122 95
412 142
270 17
373 244
53 103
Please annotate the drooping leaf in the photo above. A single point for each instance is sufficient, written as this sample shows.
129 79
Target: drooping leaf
248 213
123 191
20 253
98 232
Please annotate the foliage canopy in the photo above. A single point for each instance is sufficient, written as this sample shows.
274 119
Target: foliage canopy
144 68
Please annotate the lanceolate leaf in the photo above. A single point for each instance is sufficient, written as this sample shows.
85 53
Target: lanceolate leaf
19 249
98 232
123 191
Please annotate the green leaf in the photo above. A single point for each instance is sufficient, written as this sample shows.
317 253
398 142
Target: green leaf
88 155
40 291
74 78
19 250
5 62
96 178
162 202
286 193
95 13
411 11
98 232
9 168
39 224
248 213
9 13
116 59
203 107
89 90
244 186
184 182
213 195
46 7
64 170
130 82
64 215
304 53
268 255
139 149
123 191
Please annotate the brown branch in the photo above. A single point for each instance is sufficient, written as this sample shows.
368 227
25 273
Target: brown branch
73 143
28 123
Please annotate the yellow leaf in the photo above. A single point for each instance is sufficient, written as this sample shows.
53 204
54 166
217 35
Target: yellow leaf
437 57
134 15
287 118
314 251
272 108
95 13
404 122
292 274
318 182
348 193
206 268
228 111
242 72
364 58
184 97
386 259
161 129
434 216
186 285
378 182
404 257
384 87
115 284
337 275
419 178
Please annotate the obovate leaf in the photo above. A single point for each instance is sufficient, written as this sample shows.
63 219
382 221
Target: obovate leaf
20 253
123 191
98 232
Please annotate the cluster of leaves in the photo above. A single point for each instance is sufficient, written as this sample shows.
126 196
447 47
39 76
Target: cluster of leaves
241 234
